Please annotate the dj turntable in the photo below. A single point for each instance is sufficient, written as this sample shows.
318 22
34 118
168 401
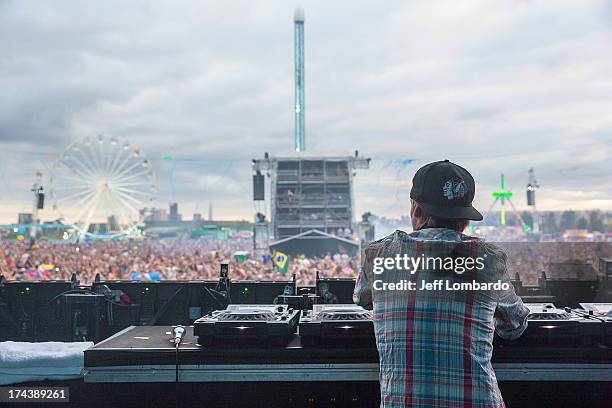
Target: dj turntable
598 309
247 324
551 326
341 324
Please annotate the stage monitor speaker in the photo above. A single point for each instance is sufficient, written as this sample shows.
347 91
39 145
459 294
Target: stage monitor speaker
40 201
530 197
258 187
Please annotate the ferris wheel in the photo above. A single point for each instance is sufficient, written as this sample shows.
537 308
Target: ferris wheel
102 187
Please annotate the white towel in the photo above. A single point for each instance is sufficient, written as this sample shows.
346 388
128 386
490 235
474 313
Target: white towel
51 360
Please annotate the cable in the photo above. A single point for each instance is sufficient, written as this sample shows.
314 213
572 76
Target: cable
226 281
85 291
178 332
164 308
116 303
587 316
176 347
213 294
109 313
71 291
176 379
584 315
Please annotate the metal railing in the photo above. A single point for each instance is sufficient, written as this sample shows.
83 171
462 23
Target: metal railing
311 199
287 175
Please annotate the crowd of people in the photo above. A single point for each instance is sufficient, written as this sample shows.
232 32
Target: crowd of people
182 259
200 259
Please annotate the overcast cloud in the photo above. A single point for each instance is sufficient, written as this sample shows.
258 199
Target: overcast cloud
494 86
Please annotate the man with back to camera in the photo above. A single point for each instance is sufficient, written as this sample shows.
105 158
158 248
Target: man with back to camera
435 341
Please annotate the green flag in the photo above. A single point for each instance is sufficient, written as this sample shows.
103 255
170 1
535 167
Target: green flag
281 261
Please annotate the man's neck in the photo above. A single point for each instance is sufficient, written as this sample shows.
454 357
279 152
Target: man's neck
430 227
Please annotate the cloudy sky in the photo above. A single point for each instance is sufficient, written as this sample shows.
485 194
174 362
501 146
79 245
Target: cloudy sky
497 87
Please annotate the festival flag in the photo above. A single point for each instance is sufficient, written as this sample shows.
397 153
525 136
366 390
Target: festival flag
281 261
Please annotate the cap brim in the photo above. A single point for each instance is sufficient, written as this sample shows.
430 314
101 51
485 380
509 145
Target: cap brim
461 213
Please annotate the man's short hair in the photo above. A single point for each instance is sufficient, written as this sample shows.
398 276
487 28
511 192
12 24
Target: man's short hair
456 224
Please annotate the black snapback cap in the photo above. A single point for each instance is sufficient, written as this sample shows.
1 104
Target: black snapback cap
445 190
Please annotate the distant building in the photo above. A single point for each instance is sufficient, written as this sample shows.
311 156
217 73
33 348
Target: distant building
112 223
153 214
197 217
174 215
25 218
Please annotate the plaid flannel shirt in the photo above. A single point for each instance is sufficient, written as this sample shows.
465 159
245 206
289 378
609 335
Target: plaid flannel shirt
435 347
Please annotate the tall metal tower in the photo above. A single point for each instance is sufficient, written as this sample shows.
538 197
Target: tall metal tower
504 196
300 132
39 203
